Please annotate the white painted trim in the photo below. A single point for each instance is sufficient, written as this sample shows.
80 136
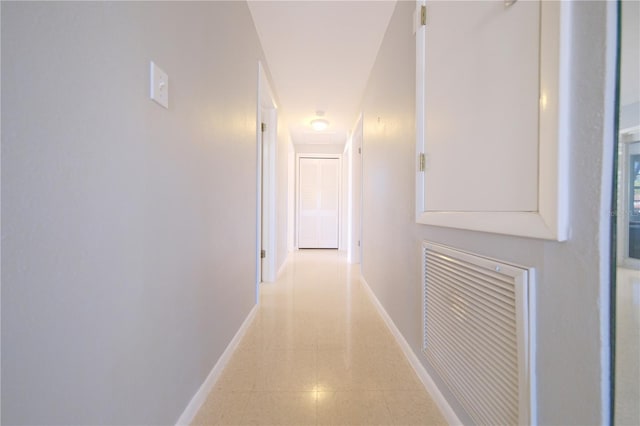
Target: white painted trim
270 182
550 221
258 264
344 200
355 159
420 34
267 113
291 195
630 134
446 410
533 347
347 156
203 392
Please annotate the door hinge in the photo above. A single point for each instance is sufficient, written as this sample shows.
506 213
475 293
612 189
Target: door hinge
358 243
263 127
359 150
423 15
421 161
263 254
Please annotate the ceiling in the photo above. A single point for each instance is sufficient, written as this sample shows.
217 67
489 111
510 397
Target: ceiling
320 54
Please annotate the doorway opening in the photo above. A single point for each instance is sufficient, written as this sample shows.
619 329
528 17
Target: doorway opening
266 131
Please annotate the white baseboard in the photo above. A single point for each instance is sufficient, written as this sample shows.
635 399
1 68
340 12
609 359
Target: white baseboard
446 410
201 395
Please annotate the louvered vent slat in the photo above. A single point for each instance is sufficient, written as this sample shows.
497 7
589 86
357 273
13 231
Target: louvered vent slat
491 348
482 326
496 383
480 281
476 332
459 288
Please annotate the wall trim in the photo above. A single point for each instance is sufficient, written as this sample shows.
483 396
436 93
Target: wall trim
203 392
266 144
446 410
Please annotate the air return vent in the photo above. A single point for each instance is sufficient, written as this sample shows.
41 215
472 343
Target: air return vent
478 331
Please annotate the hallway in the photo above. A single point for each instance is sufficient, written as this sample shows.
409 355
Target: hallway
139 185
318 352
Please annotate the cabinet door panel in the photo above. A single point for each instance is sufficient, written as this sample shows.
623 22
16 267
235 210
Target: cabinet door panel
492 116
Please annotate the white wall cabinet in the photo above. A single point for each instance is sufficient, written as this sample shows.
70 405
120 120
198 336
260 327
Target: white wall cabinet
490 109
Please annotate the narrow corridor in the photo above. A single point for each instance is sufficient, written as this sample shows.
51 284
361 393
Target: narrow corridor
318 352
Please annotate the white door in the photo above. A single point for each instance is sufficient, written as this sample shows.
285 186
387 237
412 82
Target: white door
318 202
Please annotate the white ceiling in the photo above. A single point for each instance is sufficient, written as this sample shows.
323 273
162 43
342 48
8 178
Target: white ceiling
320 54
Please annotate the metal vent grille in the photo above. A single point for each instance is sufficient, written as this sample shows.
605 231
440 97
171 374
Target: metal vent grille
476 333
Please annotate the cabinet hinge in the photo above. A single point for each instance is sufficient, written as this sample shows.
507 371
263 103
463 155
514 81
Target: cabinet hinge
359 150
421 162
263 127
263 254
423 15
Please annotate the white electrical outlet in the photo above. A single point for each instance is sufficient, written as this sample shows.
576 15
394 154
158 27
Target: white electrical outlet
159 86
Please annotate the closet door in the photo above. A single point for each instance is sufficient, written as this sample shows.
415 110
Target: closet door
318 202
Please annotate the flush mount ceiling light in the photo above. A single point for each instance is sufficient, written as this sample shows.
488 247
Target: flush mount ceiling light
319 124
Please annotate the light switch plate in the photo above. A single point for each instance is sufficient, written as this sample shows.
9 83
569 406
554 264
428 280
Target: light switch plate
159 86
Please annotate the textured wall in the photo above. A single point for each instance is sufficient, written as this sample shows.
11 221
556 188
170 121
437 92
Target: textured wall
128 230
572 277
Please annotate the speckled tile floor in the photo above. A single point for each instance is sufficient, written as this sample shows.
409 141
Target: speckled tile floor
318 353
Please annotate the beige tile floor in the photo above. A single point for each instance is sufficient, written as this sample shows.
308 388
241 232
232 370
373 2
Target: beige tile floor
318 353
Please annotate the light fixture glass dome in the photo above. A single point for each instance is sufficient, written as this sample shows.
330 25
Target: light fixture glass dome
319 124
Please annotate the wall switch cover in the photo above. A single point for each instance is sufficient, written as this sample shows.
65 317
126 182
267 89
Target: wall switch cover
159 86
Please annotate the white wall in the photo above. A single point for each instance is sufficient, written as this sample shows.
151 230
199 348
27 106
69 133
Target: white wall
572 293
128 230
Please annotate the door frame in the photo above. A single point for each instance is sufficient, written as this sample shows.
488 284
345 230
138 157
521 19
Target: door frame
626 138
266 112
355 190
297 200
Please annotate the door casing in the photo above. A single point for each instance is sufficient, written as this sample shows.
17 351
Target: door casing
266 180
